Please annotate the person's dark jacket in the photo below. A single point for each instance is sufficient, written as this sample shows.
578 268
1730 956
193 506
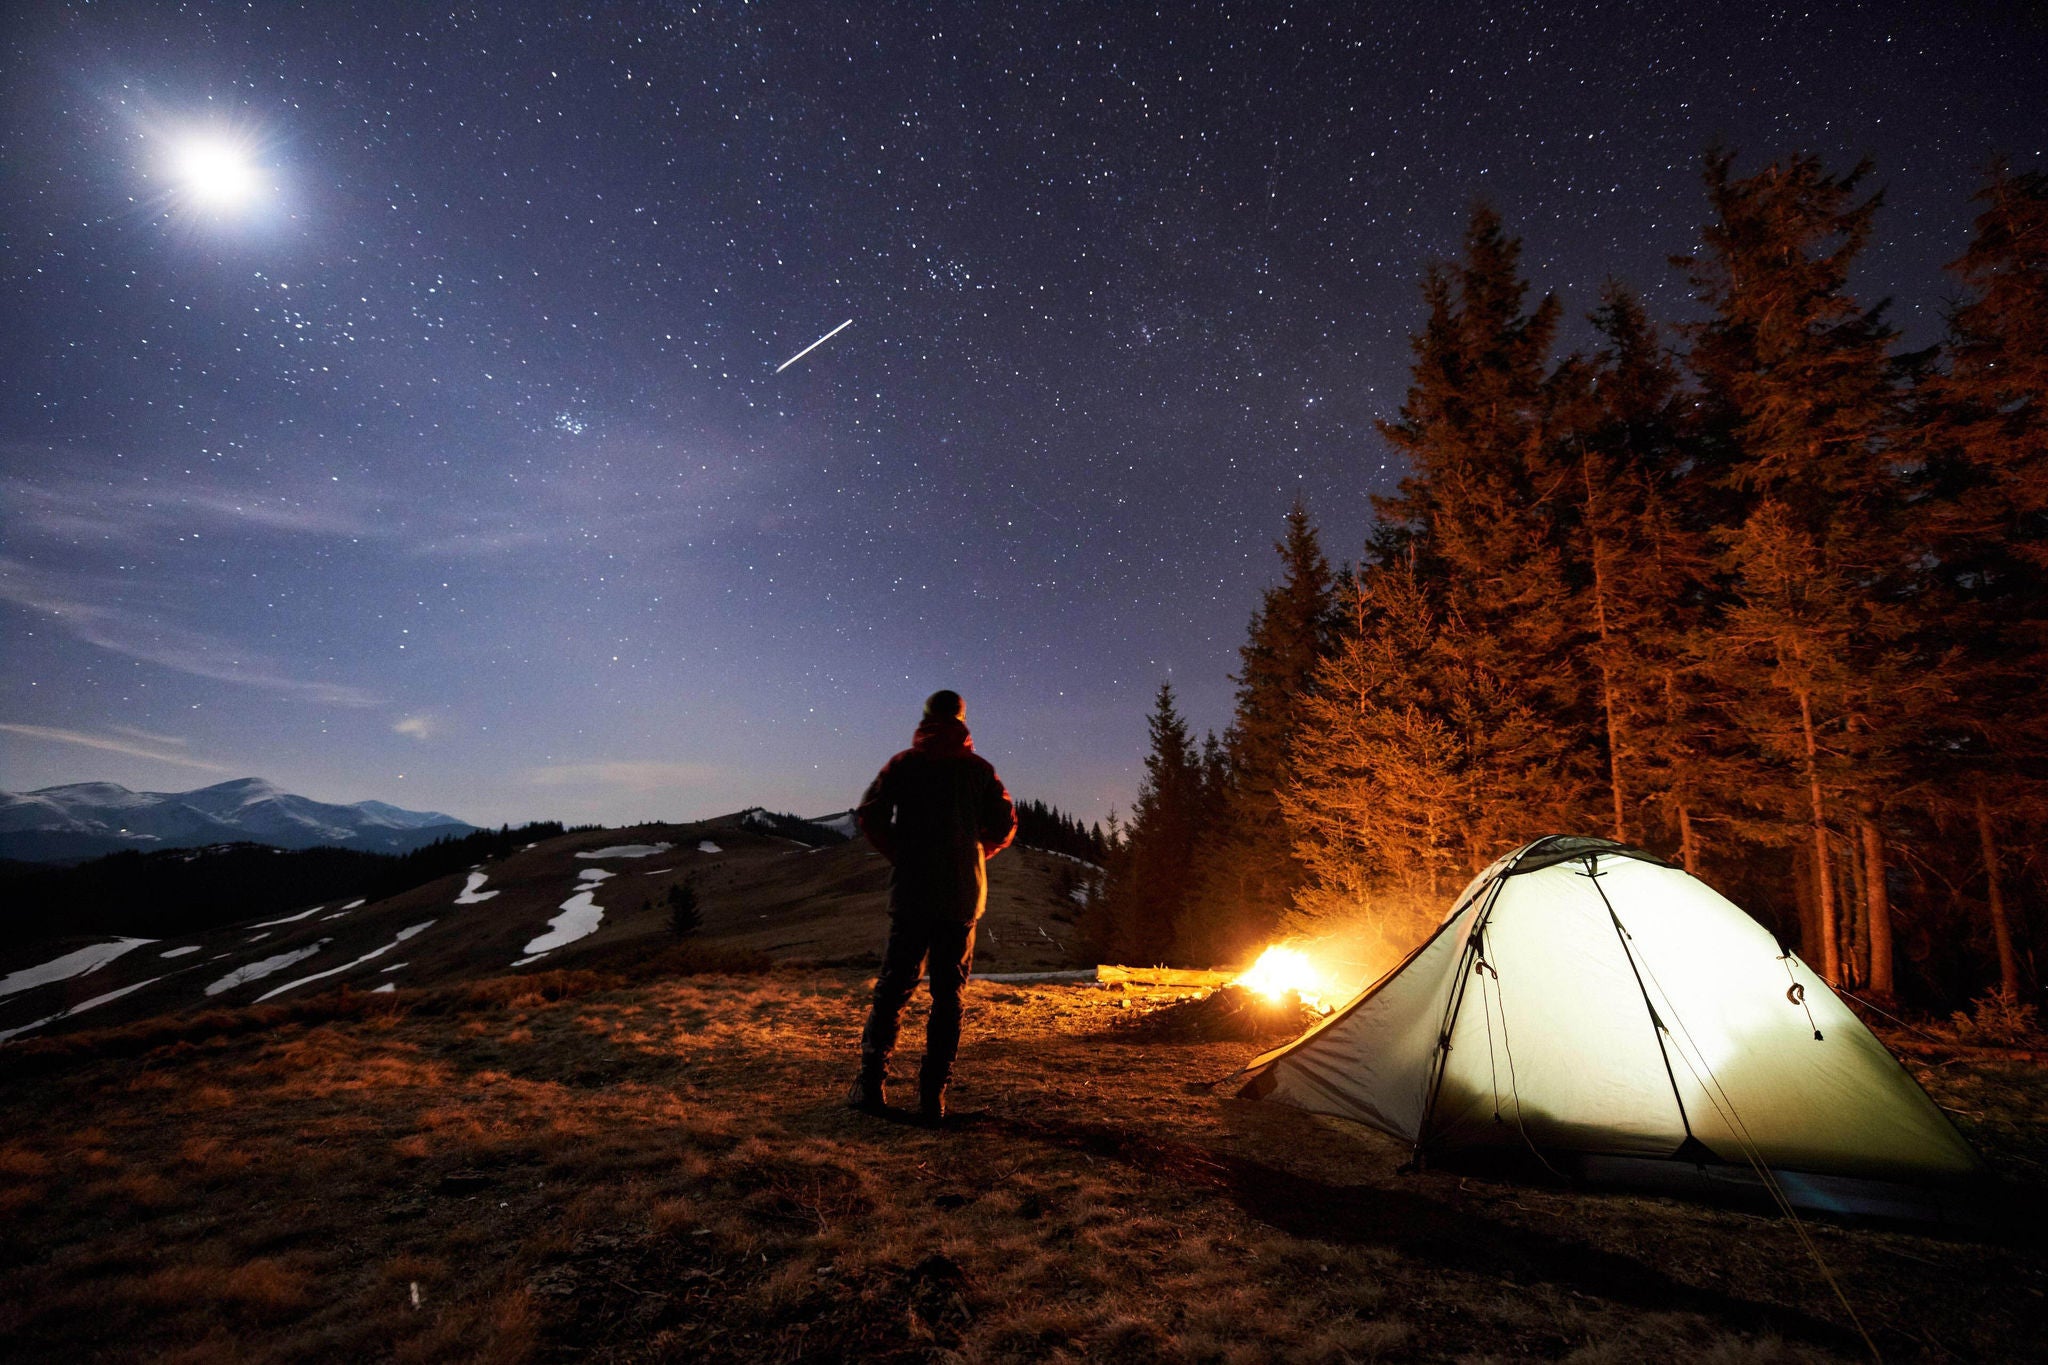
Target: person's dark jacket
937 811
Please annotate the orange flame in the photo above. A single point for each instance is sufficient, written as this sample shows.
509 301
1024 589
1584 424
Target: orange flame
1281 969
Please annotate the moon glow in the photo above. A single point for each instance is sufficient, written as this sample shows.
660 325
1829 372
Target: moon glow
214 173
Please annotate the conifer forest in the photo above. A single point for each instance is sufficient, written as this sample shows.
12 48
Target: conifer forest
1760 590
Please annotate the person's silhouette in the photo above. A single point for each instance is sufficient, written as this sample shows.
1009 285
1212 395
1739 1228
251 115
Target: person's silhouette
937 811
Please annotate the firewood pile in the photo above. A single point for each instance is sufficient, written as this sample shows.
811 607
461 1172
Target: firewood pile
1230 1015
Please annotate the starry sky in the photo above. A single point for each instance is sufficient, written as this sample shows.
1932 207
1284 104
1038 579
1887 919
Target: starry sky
443 456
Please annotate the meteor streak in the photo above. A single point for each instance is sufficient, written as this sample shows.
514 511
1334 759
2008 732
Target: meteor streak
814 346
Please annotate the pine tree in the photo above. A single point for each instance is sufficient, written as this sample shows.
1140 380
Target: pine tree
1395 798
1247 874
1486 513
1149 871
1984 485
1796 383
1482 525
1635 562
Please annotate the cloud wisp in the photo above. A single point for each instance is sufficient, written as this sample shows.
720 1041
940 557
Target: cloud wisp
116 744
138 512
124 631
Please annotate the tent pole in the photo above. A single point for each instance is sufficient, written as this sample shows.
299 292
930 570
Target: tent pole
1450 1019
1592 874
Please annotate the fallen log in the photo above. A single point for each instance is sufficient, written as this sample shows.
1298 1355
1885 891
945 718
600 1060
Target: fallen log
1161 976
1083 974
1117 976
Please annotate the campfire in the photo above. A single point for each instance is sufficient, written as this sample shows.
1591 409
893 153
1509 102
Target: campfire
1282 971
1287 990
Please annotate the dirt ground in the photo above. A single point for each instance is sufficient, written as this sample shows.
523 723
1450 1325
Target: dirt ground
581 1167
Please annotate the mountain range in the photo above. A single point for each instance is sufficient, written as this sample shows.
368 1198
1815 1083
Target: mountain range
88 819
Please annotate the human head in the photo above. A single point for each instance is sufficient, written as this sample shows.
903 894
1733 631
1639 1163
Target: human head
945 704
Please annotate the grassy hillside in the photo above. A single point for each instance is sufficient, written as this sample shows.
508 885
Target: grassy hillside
581 1166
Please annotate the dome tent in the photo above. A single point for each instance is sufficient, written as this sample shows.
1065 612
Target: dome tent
1592 1004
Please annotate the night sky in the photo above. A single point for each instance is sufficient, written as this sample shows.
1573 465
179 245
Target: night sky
427 443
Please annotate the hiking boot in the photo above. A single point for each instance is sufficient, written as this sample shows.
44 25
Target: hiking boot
866 1092
931 1104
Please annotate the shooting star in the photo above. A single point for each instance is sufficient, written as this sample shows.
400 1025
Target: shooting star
814 346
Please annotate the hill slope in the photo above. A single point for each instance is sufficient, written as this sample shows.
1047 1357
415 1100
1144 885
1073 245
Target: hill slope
588 899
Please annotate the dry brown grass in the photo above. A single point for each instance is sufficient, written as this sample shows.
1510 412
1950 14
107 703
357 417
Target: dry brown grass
584 1167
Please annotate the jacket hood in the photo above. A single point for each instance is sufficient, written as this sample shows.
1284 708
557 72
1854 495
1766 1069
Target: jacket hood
942 736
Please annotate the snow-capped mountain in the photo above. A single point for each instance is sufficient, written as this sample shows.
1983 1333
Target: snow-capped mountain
87 819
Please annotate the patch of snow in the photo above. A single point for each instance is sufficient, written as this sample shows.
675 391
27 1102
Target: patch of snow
593 875
708 847
76 963
472 893
257 938
1054 853
288 919
180 952
627 851
358 902
658 872
80 1008
388 988
581 914
394 966
371 956
843 823
256 971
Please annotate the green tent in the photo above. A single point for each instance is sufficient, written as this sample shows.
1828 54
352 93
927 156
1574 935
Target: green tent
1591 1005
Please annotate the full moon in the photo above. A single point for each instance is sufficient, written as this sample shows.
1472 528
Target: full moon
215 173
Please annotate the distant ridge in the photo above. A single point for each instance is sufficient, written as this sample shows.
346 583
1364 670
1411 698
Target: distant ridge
90 819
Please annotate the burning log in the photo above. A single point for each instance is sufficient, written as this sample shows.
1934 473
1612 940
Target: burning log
1231 1015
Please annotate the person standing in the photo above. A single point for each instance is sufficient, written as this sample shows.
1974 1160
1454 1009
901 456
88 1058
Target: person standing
937 811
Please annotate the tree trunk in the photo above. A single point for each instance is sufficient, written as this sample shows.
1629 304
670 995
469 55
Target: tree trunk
1849 911
1688 846
1824 889
1856 914
2001 929
1606 675
1878 904
1803 882
1613 749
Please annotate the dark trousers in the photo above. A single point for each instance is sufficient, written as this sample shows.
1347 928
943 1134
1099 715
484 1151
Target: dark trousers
914 938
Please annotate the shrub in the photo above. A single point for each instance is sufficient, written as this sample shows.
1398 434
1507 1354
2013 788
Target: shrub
684 918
